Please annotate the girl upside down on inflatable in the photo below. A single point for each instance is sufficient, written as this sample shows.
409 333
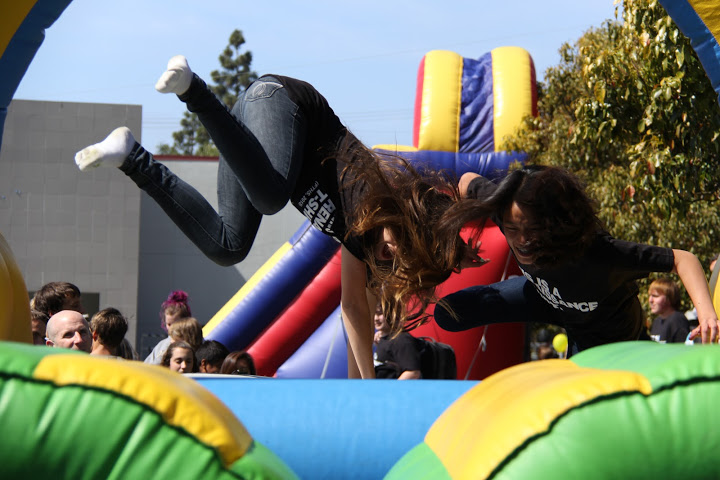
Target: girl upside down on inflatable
282 142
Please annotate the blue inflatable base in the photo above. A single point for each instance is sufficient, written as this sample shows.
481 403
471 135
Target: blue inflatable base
349 429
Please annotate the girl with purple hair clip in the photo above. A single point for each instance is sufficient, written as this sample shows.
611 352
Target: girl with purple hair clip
174 308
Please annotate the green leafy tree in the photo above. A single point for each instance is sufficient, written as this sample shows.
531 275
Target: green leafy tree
630 110
230 81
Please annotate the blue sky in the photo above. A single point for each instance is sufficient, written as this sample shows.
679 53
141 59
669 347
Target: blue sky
363 56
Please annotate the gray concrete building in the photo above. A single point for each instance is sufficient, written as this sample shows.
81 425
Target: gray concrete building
97 230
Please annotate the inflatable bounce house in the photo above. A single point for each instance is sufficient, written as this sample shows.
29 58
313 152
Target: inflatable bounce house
640 410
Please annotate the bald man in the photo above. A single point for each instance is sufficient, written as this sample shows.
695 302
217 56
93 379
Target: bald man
69 329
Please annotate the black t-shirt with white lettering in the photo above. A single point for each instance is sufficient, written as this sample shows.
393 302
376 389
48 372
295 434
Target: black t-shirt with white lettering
594 297
317 192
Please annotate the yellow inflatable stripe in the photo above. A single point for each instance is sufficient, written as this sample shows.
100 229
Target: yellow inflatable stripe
709 13
440 106
247 287
14 303
491 420
512 91
395 148
14 13
181 402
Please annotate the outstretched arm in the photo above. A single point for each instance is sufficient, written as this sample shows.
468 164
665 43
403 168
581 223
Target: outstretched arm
464 182
410 375
357 317
472 258
691 273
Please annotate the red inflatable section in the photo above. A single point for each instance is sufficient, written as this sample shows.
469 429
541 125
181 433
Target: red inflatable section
504 344
299 320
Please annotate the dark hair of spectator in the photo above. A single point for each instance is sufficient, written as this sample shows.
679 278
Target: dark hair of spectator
238 363
212 351
110 326
39 316
51 297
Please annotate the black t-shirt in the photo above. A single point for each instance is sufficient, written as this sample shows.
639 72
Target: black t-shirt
671 329
317 192
403 350
595 296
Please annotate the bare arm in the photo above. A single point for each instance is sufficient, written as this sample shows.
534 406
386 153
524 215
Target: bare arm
691 273
410 375
464 182
357 317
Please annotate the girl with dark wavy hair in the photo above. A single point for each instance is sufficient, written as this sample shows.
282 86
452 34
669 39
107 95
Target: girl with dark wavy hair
575 274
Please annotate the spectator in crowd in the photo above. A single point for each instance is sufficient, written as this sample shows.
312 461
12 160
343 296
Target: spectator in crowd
38 325
54 297
175 307
69 329
188 330
396 357
210 356
127 351
238 363
544 344
669 326
179 357
108 328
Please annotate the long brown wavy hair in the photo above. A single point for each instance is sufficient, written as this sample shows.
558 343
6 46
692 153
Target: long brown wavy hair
412 203
555 199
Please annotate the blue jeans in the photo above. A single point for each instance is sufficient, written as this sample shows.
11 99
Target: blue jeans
517 300
261 143
512 300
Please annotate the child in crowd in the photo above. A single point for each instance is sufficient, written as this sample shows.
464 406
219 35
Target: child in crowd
179 357
188 330
669 326
210 356
238 363
175 307
108 328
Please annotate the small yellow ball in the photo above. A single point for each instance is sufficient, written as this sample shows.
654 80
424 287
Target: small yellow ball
560 342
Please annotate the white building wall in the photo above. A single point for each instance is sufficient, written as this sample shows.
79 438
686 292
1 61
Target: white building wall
63 224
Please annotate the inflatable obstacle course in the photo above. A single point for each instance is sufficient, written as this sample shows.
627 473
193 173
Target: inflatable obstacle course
625 410
71 415
637 410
